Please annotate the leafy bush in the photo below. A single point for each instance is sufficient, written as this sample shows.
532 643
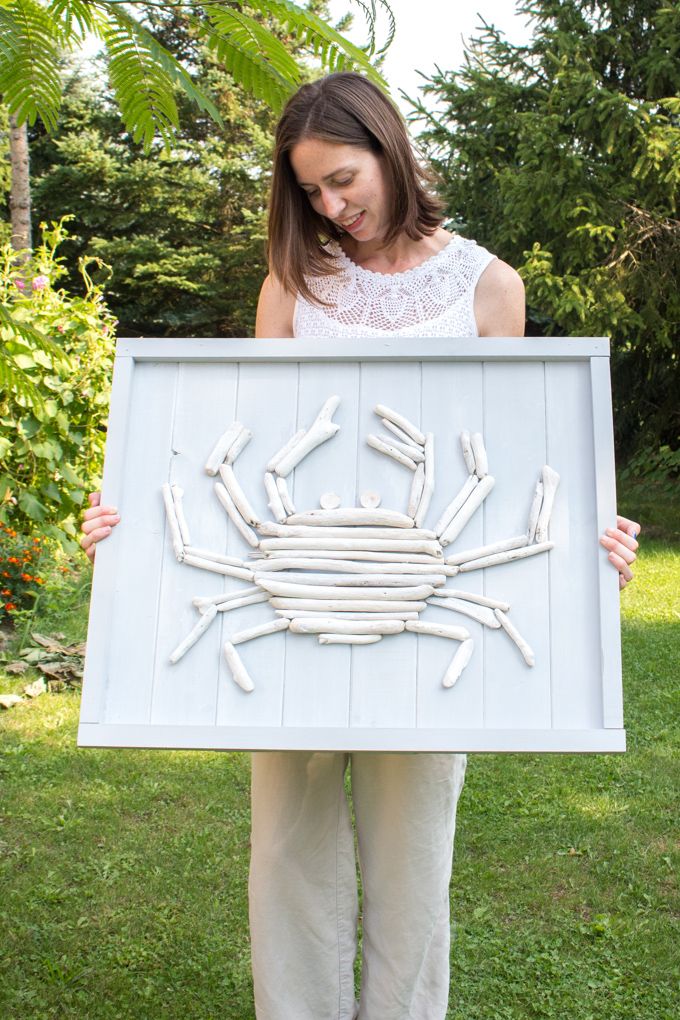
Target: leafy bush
51 450
19 583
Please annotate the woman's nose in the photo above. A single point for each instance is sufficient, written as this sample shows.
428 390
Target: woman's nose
331 205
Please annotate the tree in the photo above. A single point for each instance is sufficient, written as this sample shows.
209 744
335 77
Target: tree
563 157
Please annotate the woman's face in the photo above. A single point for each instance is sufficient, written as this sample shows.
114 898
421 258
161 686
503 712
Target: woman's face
345 184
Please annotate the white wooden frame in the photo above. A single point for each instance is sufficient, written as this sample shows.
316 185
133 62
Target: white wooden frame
535 400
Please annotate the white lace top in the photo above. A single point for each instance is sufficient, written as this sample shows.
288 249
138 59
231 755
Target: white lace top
434 298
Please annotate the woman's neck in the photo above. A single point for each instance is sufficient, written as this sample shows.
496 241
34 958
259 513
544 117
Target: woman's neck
402 254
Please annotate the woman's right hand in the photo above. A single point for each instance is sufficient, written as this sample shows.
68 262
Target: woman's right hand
98 522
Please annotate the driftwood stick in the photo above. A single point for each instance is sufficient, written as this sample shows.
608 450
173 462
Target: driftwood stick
285 495
321 429
241 441
362 580
512 631
292 614
221 448
416 492
470 596
399 433
534 511
275 503
438 630
411 430
173 524
349 639
480 613
353 544
285 589
470 483
239 498
304 625
506 557
286 448
202 601
358 555
219 568
350 516
468 455
469 507
428 486
193 636
177 498
270 529
487 550
250 633
414 453
390 451
347 605
234 515
238 670
207 554
247 600
352 567
479 453
458 663
551 480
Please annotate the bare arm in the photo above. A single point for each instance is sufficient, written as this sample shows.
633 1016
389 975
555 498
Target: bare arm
274 311
499 301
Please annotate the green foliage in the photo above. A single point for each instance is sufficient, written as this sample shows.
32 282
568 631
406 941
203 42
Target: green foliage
51 449
144 74
19 582
563 157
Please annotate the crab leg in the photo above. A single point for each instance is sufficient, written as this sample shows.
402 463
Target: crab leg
480 613
236 603
471 504
331 626
233 512
221 448
347 605
403 423
458 663
351 516
510 629
219 568
399 433
469 596
237 494
177 495
428 487
207 554
468 455
438 630
479 453
534 511
242 440
286 448
285 496
238 670
321 429
487 550
173 523
416 490
471 482
192 637
391 451
415 453
255 632
275 502
201 601
551 480
506 557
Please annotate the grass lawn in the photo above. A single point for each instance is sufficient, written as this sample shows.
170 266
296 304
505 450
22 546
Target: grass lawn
123 873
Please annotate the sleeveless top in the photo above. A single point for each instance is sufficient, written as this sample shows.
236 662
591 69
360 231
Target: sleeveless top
434 298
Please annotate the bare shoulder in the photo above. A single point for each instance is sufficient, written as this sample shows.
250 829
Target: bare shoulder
499 301
275 310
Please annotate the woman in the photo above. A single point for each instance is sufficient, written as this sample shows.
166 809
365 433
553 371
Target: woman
356 248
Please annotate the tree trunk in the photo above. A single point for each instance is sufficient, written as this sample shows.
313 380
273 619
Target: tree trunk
20 195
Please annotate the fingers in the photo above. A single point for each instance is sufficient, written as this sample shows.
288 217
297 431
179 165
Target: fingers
96 511
89 541
94 499
98 522
631 528
621 547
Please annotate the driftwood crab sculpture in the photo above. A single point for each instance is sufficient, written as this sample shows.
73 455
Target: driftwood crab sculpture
353 575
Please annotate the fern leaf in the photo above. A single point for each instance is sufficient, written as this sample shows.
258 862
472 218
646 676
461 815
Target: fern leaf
252 37
30 82
245 62
66 12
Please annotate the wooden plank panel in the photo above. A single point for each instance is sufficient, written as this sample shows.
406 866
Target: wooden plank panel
318 676
204 408
575 631
139 542
514 429
461 409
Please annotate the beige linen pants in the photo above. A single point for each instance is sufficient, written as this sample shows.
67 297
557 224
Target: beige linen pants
303 884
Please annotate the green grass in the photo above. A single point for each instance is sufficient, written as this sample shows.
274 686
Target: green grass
123 873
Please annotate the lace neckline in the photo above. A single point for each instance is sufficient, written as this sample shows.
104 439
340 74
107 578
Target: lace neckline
425 265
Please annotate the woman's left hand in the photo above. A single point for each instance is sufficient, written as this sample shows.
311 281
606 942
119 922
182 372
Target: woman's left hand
621 544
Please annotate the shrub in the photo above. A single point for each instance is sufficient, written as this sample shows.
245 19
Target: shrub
19 582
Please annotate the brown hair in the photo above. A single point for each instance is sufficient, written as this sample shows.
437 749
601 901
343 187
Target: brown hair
343 108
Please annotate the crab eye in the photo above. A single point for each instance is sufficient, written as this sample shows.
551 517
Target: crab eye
369 499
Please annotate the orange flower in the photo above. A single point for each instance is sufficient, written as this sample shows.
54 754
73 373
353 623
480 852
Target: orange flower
38 580
5 591
13 559
9 606
26 577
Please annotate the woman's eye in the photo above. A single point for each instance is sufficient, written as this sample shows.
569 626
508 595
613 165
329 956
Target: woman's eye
344 183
